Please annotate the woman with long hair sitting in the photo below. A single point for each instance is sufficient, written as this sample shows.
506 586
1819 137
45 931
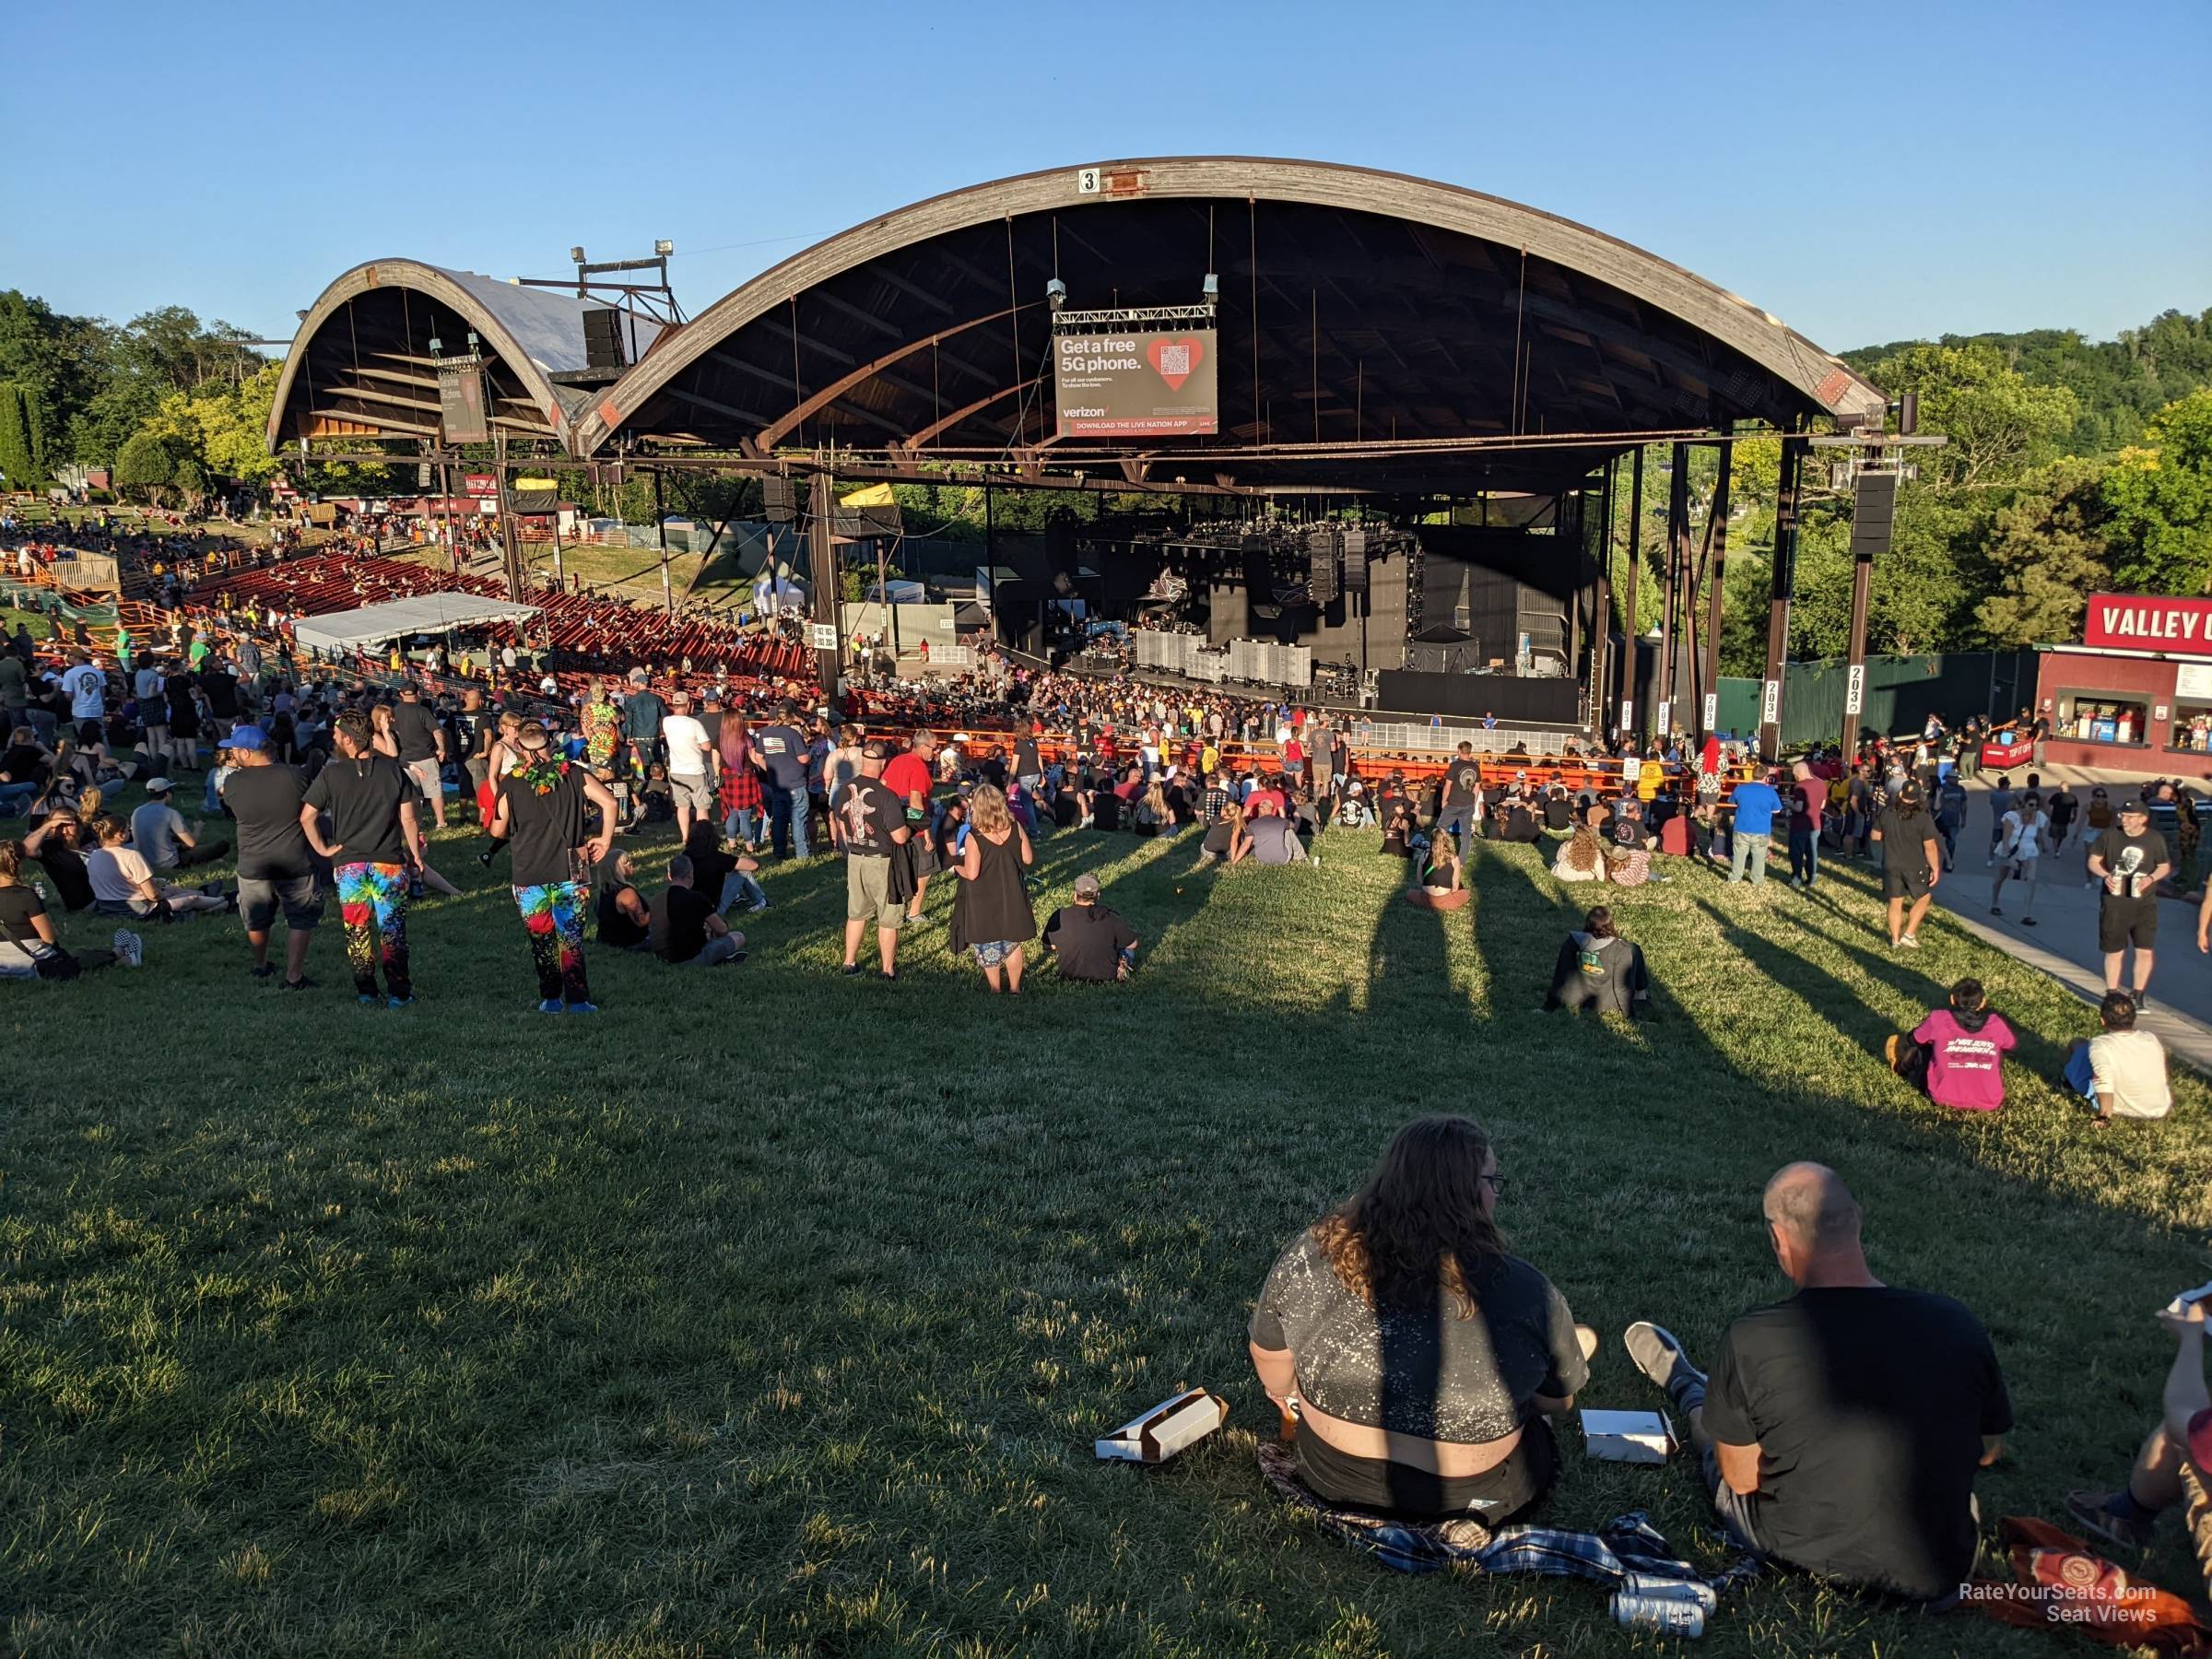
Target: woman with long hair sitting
1440 885
1582 858
1419 1358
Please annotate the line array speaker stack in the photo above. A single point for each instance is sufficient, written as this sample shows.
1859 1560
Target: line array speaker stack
1322 579
603 339
1355 562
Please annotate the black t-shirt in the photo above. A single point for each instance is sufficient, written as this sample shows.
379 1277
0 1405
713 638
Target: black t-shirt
1559 815
1088 940
363 797
1630 833
1463 784
2132 856
544 822
221 688
266 802
24 764
415 729
1026 763
71 880
2063 808
1105 810
18 906
679 924
1868 1407
1906 841
867 813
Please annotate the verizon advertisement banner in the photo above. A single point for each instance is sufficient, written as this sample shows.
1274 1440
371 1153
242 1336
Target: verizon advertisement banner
2149 622
1136 385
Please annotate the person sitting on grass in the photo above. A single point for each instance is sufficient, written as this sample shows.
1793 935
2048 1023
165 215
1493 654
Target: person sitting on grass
28 945
1223 834
124 886
1440 886
1399 827
625 919
2121 1071
686 928
1582 856
1088 940
1956 1055
2174 1462
1269 840
1418 1359
1841 1430
1599 970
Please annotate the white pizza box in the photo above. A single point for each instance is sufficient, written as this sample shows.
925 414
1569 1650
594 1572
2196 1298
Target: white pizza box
1159 1434
1636 1437
2180 1303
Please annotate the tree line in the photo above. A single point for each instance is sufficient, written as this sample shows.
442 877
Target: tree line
2072 467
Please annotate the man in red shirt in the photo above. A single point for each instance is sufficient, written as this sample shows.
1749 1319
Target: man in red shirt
908 777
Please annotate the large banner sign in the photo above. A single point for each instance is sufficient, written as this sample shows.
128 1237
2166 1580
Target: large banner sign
2149 622
1136 385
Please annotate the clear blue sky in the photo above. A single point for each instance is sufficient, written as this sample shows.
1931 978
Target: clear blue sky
1918 169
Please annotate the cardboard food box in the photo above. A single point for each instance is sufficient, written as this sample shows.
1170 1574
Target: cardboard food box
1159 1434
1636 1437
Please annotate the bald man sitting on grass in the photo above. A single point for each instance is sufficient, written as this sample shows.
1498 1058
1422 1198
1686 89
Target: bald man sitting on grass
1841 1429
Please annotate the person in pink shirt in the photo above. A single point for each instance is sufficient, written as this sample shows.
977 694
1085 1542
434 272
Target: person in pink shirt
1957 1054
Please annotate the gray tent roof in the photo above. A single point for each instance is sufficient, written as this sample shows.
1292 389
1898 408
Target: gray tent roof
424 613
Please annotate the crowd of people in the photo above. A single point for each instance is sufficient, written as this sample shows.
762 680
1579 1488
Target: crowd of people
1417 1365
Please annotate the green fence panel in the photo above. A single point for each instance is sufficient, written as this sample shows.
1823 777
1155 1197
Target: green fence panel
1902 693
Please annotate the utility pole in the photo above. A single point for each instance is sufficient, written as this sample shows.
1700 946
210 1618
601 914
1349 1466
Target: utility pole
1877 467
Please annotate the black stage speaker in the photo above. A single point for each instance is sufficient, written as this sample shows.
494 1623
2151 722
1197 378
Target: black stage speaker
603 339
1873 514
1322 582
779 499
1259 577
1355 562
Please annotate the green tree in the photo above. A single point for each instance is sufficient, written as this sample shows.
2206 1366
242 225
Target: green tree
2047 555
22 441
2160 494
146 465
1999 424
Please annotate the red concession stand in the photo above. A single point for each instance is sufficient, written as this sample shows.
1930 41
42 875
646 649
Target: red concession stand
2135 695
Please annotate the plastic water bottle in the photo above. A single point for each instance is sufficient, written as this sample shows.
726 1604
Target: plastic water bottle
1649 1612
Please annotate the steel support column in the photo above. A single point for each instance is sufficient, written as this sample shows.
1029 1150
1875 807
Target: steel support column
1601 612
1631 653
1670 596
660 527
1781 589
1716 539
821 564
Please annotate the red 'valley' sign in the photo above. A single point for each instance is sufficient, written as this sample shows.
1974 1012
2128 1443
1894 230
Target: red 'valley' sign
2146 622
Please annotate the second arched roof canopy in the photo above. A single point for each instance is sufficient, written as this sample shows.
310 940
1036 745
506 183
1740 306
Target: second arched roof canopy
1376 331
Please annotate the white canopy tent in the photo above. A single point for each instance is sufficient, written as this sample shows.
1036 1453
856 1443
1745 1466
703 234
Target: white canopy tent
424 613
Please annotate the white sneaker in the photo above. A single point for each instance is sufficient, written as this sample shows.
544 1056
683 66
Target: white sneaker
130 950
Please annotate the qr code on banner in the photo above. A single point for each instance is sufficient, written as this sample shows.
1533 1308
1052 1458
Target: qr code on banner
1174 359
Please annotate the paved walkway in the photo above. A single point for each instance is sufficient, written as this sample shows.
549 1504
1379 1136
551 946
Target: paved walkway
2062 943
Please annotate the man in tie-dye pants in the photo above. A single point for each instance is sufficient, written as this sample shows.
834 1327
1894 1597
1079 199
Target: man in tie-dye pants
540 805
370 804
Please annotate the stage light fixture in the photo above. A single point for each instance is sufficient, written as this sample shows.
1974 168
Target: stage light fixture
437 344
576 255
663 247
1210 289
1056 292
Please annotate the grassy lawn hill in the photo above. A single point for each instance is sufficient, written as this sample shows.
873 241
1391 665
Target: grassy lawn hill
775 1313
